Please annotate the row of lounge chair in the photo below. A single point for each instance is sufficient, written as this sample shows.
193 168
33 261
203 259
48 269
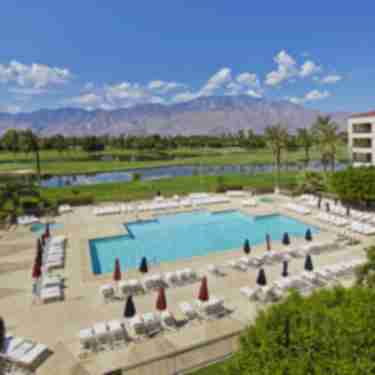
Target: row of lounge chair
22 354
332 219
117 332
304 282
64 209
211 309
27 220
297 208
270 257
337 208
159 204
51 286
134 286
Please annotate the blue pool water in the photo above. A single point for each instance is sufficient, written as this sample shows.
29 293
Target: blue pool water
39 227
184 235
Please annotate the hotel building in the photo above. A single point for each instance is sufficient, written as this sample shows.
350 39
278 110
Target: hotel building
361 138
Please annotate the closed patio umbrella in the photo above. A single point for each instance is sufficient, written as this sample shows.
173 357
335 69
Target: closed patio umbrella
286 239
309 263
117 271
328 208
203 290
246 247
2 335
161 302
261 278
308 235
130 310
285 272
143 266
47 232
37 271
268 241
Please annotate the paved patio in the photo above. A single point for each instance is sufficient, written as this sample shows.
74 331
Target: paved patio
57 324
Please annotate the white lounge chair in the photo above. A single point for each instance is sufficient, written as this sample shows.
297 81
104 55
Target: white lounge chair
87 339
107 291
188 310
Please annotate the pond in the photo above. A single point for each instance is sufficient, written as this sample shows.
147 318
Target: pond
170 172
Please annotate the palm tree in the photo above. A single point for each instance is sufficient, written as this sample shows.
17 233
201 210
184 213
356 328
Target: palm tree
30 143
305 139
366 272
327 137
11 196
277 137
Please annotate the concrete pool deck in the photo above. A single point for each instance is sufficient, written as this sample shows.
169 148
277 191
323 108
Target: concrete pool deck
57 324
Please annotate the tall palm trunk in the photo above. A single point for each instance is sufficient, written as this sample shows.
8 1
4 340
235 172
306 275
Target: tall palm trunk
38 169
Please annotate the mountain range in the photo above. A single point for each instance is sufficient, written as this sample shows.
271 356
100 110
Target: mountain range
204 115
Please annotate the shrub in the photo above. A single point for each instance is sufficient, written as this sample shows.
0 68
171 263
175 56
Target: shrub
81 199
222 188
331 332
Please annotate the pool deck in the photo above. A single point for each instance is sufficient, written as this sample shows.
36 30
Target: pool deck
57 324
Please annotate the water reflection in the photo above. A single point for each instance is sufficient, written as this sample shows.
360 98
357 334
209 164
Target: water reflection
173 171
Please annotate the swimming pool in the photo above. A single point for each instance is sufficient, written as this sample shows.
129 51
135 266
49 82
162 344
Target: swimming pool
184 235
40 227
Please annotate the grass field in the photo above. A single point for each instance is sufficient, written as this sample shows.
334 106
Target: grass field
215 369
75 162
168 187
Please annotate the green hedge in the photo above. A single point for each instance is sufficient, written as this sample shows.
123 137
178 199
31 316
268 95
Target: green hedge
81 199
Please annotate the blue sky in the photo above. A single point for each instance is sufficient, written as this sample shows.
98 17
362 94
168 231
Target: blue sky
111 54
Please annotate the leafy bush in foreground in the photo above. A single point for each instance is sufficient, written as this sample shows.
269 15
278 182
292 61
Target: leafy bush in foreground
331 332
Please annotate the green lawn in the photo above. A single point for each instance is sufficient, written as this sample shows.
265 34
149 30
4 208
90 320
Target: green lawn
74 162
215 369
127 191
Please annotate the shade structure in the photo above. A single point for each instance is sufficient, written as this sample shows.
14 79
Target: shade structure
246 247
129 310
143 267
47 231
117 271
268 241
2 335
308 235
203 290
161 302
37 271
285 272
261 278
309 263
286 239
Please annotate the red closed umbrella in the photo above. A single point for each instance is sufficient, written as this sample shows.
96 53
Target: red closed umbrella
117 271
203 291
161 302
37 271
47 232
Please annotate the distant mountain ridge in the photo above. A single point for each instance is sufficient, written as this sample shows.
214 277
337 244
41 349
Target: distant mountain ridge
205 115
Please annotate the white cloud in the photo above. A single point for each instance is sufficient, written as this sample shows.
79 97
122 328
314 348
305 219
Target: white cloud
311 96
249 79
217 81
164 87
309 68
10 109
254 94
89 100
27 91
330 79
185 97
35 75
286 68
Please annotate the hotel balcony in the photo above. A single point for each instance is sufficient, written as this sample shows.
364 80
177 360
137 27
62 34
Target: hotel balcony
362 129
